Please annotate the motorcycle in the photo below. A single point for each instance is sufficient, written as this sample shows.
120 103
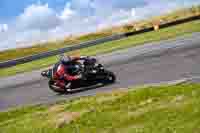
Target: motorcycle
92 75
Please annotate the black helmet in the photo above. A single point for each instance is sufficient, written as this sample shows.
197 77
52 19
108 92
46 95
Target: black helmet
74 69
65 59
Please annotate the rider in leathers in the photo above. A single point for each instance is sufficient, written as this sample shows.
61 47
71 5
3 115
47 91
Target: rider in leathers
62 75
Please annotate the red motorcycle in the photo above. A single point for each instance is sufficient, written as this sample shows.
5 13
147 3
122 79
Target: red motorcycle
93 74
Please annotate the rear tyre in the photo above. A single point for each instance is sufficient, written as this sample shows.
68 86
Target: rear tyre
110 77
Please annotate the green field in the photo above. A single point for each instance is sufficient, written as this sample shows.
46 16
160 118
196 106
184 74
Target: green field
161 109
162 34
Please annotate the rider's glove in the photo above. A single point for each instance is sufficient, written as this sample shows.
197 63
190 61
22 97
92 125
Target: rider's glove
79 76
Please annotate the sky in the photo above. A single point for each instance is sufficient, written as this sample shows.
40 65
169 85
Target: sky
25 22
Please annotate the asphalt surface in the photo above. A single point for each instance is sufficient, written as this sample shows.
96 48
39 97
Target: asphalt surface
151 63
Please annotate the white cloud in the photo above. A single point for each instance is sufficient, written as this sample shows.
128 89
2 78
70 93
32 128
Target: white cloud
133 12
67 12
37 16
39 22
3 27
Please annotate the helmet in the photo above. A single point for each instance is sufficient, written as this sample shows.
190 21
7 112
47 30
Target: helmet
65 59
74 69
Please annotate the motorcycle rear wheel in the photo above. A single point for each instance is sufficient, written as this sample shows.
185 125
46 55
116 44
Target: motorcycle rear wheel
110 77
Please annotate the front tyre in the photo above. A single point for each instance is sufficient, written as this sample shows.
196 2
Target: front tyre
45 73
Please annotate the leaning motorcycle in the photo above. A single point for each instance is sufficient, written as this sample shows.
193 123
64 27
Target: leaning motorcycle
92 75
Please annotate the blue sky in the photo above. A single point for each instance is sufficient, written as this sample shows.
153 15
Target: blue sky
24 22
10 8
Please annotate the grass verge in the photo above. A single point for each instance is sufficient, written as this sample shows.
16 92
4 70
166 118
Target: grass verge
162 34
162 109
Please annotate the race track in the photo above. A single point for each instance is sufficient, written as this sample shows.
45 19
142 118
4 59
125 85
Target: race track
152 63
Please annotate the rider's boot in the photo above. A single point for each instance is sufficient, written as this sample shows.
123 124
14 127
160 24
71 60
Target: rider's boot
67 87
